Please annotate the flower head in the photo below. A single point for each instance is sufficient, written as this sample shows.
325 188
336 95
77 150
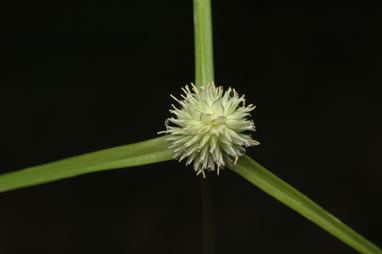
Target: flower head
209 127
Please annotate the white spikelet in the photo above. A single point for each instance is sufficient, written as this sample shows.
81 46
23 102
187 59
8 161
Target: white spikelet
208 128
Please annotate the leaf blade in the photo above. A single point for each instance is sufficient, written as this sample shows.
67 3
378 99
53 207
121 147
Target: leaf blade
291 197
141 153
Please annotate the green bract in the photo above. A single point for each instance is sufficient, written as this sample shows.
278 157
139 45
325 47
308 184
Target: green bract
209 127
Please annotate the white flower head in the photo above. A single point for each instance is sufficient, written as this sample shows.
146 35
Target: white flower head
208 127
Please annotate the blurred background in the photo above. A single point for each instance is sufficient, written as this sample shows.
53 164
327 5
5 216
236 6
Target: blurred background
86 77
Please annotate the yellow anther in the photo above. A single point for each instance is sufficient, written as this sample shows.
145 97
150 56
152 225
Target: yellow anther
184 91
188 89
196 90
174 107
236 158
172 96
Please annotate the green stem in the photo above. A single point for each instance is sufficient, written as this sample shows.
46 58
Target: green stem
286 194
142 153
204 73
208 217
204 62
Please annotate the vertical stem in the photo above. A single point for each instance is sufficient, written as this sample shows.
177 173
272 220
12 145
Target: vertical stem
204 73
204 63
208 217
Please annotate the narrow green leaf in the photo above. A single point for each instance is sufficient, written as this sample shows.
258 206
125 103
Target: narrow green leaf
277 188
146 152
204 64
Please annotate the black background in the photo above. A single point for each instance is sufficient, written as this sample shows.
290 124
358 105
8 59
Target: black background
88 77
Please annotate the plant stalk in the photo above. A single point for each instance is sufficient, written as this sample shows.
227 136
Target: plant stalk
208 216
204 62
204 74
291 197
142 153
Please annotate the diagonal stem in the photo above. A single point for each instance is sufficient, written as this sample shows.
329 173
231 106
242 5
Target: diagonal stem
142 153
291 197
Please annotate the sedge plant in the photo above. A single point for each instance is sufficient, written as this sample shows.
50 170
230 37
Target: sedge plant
209 129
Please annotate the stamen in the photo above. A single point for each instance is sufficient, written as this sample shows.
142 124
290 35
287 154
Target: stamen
196 90
184 91
188 89
184 97
235 93
172 96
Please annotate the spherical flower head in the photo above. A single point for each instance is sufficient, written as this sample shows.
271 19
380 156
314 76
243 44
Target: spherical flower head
208 128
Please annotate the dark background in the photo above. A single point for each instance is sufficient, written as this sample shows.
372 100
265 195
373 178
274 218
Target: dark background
89 77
